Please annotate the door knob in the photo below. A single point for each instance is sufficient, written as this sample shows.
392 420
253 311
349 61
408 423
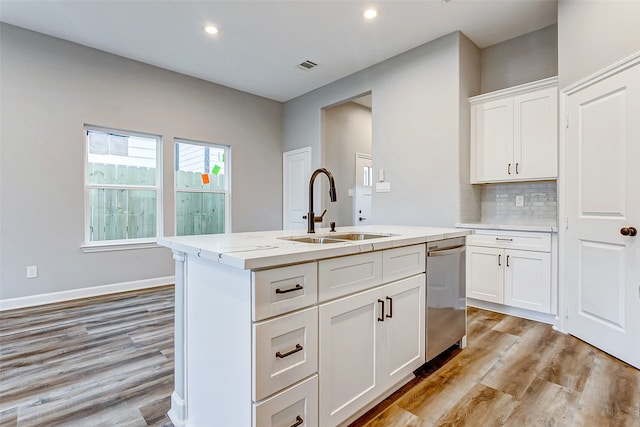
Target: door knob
628 231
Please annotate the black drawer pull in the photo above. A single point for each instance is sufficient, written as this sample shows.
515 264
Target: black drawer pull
299 421
298 287
390 315
381 318
289 353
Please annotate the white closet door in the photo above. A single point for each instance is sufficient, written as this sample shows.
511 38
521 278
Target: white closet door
601 263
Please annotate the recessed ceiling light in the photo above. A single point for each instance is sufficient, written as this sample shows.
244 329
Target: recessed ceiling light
211 29
370 13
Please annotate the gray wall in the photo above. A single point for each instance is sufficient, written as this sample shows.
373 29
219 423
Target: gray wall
416 107
50 89
523 59
470 195
595 34
347 131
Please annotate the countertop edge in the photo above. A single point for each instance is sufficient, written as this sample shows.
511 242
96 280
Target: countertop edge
262 256
509 227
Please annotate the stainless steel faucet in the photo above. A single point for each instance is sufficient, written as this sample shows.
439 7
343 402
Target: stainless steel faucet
311 217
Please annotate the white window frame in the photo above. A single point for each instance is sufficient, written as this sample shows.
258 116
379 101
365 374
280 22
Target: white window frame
121 244
226 191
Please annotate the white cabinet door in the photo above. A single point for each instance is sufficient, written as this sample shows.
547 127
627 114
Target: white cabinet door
368 343
514 134
402 347
485 273
535 146
528 280
492 141
349 369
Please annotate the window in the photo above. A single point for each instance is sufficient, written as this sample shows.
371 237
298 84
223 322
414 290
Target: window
202 188
122 187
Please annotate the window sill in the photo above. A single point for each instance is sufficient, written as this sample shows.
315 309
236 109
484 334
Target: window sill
120 246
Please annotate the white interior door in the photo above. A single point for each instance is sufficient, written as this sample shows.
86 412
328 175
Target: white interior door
601 174
363 193
296 172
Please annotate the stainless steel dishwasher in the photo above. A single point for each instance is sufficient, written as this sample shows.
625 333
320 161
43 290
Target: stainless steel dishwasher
446 295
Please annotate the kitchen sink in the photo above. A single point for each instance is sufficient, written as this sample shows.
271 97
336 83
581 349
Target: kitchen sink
335 238
358 236
315 239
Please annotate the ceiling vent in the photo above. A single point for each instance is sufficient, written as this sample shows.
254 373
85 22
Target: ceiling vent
307 65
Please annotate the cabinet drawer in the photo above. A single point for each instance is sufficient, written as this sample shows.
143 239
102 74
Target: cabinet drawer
285 350
286 409
346 275
525 240
399 263
280 290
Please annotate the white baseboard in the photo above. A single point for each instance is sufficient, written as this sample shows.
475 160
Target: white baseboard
41 299
178 412
513 311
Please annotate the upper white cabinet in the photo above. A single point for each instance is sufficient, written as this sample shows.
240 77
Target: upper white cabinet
514 133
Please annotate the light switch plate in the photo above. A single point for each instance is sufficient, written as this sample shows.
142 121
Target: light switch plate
383 187
519 201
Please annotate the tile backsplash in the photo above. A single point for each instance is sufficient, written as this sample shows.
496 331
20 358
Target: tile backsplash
498 203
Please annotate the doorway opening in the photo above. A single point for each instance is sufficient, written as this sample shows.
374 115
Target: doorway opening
347 153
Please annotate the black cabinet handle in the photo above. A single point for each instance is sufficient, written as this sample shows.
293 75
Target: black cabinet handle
499 259
381 319
390 315
289 353
299 421
298 287
517 172
509 168
508 260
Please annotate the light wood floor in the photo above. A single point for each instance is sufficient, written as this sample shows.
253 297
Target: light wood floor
108 361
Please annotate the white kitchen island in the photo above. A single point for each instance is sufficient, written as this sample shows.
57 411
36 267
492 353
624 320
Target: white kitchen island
274 332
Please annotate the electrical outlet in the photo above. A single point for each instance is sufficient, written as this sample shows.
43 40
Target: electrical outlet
32 271
519 201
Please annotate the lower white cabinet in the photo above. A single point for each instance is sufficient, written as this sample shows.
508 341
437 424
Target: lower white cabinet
285 350
514 277
306 345
369 342
296 406
485 274
528 280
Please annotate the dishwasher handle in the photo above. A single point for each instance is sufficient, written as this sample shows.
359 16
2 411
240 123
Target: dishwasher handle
446 251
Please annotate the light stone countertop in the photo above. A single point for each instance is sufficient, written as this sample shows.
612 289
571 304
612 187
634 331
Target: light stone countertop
508 227
263 249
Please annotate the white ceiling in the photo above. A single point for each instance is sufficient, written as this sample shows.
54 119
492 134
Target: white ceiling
261 42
